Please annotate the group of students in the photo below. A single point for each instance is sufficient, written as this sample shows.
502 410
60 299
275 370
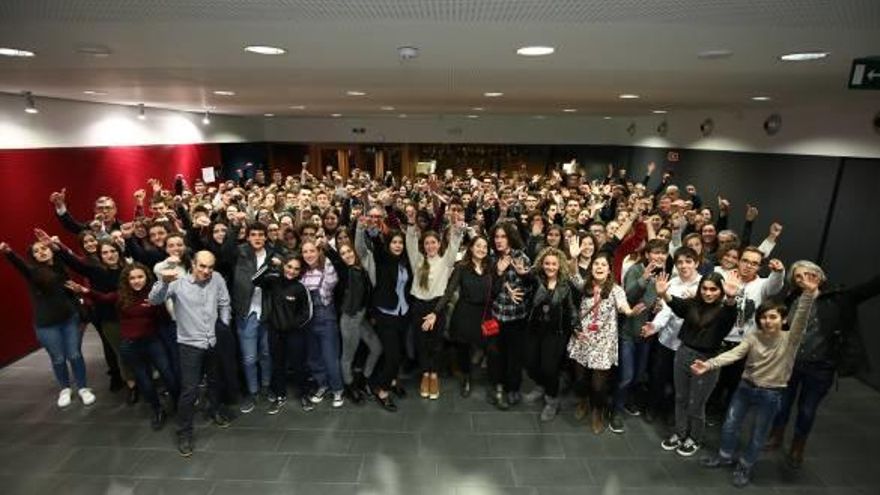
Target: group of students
338 287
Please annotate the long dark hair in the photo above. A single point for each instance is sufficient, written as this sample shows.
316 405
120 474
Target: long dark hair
608 284
425 267
468 260
704 312
127 295
513 238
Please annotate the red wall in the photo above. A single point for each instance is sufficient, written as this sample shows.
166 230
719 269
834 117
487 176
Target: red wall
29 176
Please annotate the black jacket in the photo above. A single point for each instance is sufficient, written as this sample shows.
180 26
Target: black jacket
704 326
387 266
243 271
287 305
353 290
555 310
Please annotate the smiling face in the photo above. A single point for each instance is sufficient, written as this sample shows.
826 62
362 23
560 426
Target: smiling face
479 249
554 238
431 246
395 245
219 233
770 321
109 255
710 292
90 244
550 265
292 269
600 269
310 254
588 248
347 255
157 234
137 279
175 246
42 253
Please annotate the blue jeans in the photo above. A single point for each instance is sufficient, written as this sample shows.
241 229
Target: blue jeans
632 364
809 384
254 340
168 337
63 342
766 403
140 355
323 348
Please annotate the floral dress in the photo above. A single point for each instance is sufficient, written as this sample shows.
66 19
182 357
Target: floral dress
595 347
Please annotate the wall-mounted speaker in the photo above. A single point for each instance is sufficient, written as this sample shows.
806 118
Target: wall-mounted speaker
707 127
773 124
662 129
631 129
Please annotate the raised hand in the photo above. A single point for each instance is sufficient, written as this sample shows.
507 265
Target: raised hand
168 276
751 213
723 205
810 283
698 367
776 265
574 247
651 167
775 230
58 198
139 196
504 263
661 284
5 248
731 284
520 266
516 294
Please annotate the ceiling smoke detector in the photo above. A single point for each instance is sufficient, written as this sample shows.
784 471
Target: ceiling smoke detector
407 52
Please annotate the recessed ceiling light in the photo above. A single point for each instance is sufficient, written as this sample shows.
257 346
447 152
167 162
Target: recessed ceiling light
387 108
402 116
478 109
714 54
224 93
297 107
606 117
493 94
94 50
761 98
540 117
355 93
15 52
535 51
802 56
268 115
265 50
569 110
627 96
92 92
334 115
472 116
658 111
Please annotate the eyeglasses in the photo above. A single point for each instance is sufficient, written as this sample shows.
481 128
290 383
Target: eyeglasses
750 263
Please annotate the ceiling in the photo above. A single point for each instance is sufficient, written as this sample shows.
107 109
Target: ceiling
175 53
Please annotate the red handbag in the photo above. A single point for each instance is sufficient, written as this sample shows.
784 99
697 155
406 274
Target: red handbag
489 326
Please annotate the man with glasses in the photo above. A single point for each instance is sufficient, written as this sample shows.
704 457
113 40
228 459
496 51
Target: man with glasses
201 302
105 214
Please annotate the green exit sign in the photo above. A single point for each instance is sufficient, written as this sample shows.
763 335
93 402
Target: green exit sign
865 73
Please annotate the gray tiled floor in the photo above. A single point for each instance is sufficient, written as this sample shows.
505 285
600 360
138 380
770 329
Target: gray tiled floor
452 446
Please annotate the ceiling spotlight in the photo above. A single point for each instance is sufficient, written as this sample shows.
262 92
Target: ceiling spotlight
761 98
355 93
569 110
207 118
297 107
493 94
387 108
268 115
336 115
472 116
221 92
98 51
714 54
92 92
607 117
802 56
407 52
142 113
627 96
659 111
535 51
265 50
402 116
29 105
15 52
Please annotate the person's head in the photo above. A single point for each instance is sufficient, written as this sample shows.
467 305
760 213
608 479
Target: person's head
477 252
330 220
135 277
664 205
728 236
273 232
552 210
175 245
695 242
106 207
505 237
218 232
711 288
308 232
801 269
203 266
41 253
88 242
322 199
597 230
290 238
728 255
256 236
395 242
770 316
706 213
588 247
312 255
708 234
686 261
656 252
292 268
348 254
749 262
600 268
572 207
554 236
157 234
583 217
342 237
531 202
158 207
551 264
108 253
664 234
430 244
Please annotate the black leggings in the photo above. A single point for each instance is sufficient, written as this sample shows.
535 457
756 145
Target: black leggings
505 354
390 328
593 384
545 352
427 343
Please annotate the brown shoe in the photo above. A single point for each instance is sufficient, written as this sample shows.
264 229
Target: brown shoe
597 422
796 454
434 387
582 409
774 440
424 386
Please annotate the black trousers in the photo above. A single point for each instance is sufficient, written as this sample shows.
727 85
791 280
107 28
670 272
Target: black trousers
427 343
660 381
194 362
288 351
109 355
505 354
390 329
545 351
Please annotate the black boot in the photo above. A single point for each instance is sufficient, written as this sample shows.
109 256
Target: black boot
158 419
466 386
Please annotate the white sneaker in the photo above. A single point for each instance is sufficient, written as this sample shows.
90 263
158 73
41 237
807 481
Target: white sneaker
64 397
338 401
87 396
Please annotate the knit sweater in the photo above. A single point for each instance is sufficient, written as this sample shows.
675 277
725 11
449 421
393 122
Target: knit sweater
439 267
769 357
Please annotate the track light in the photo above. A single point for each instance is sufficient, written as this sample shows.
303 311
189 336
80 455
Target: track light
30 106
142 113
207 118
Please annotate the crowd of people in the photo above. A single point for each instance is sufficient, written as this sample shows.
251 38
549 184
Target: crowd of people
641 302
